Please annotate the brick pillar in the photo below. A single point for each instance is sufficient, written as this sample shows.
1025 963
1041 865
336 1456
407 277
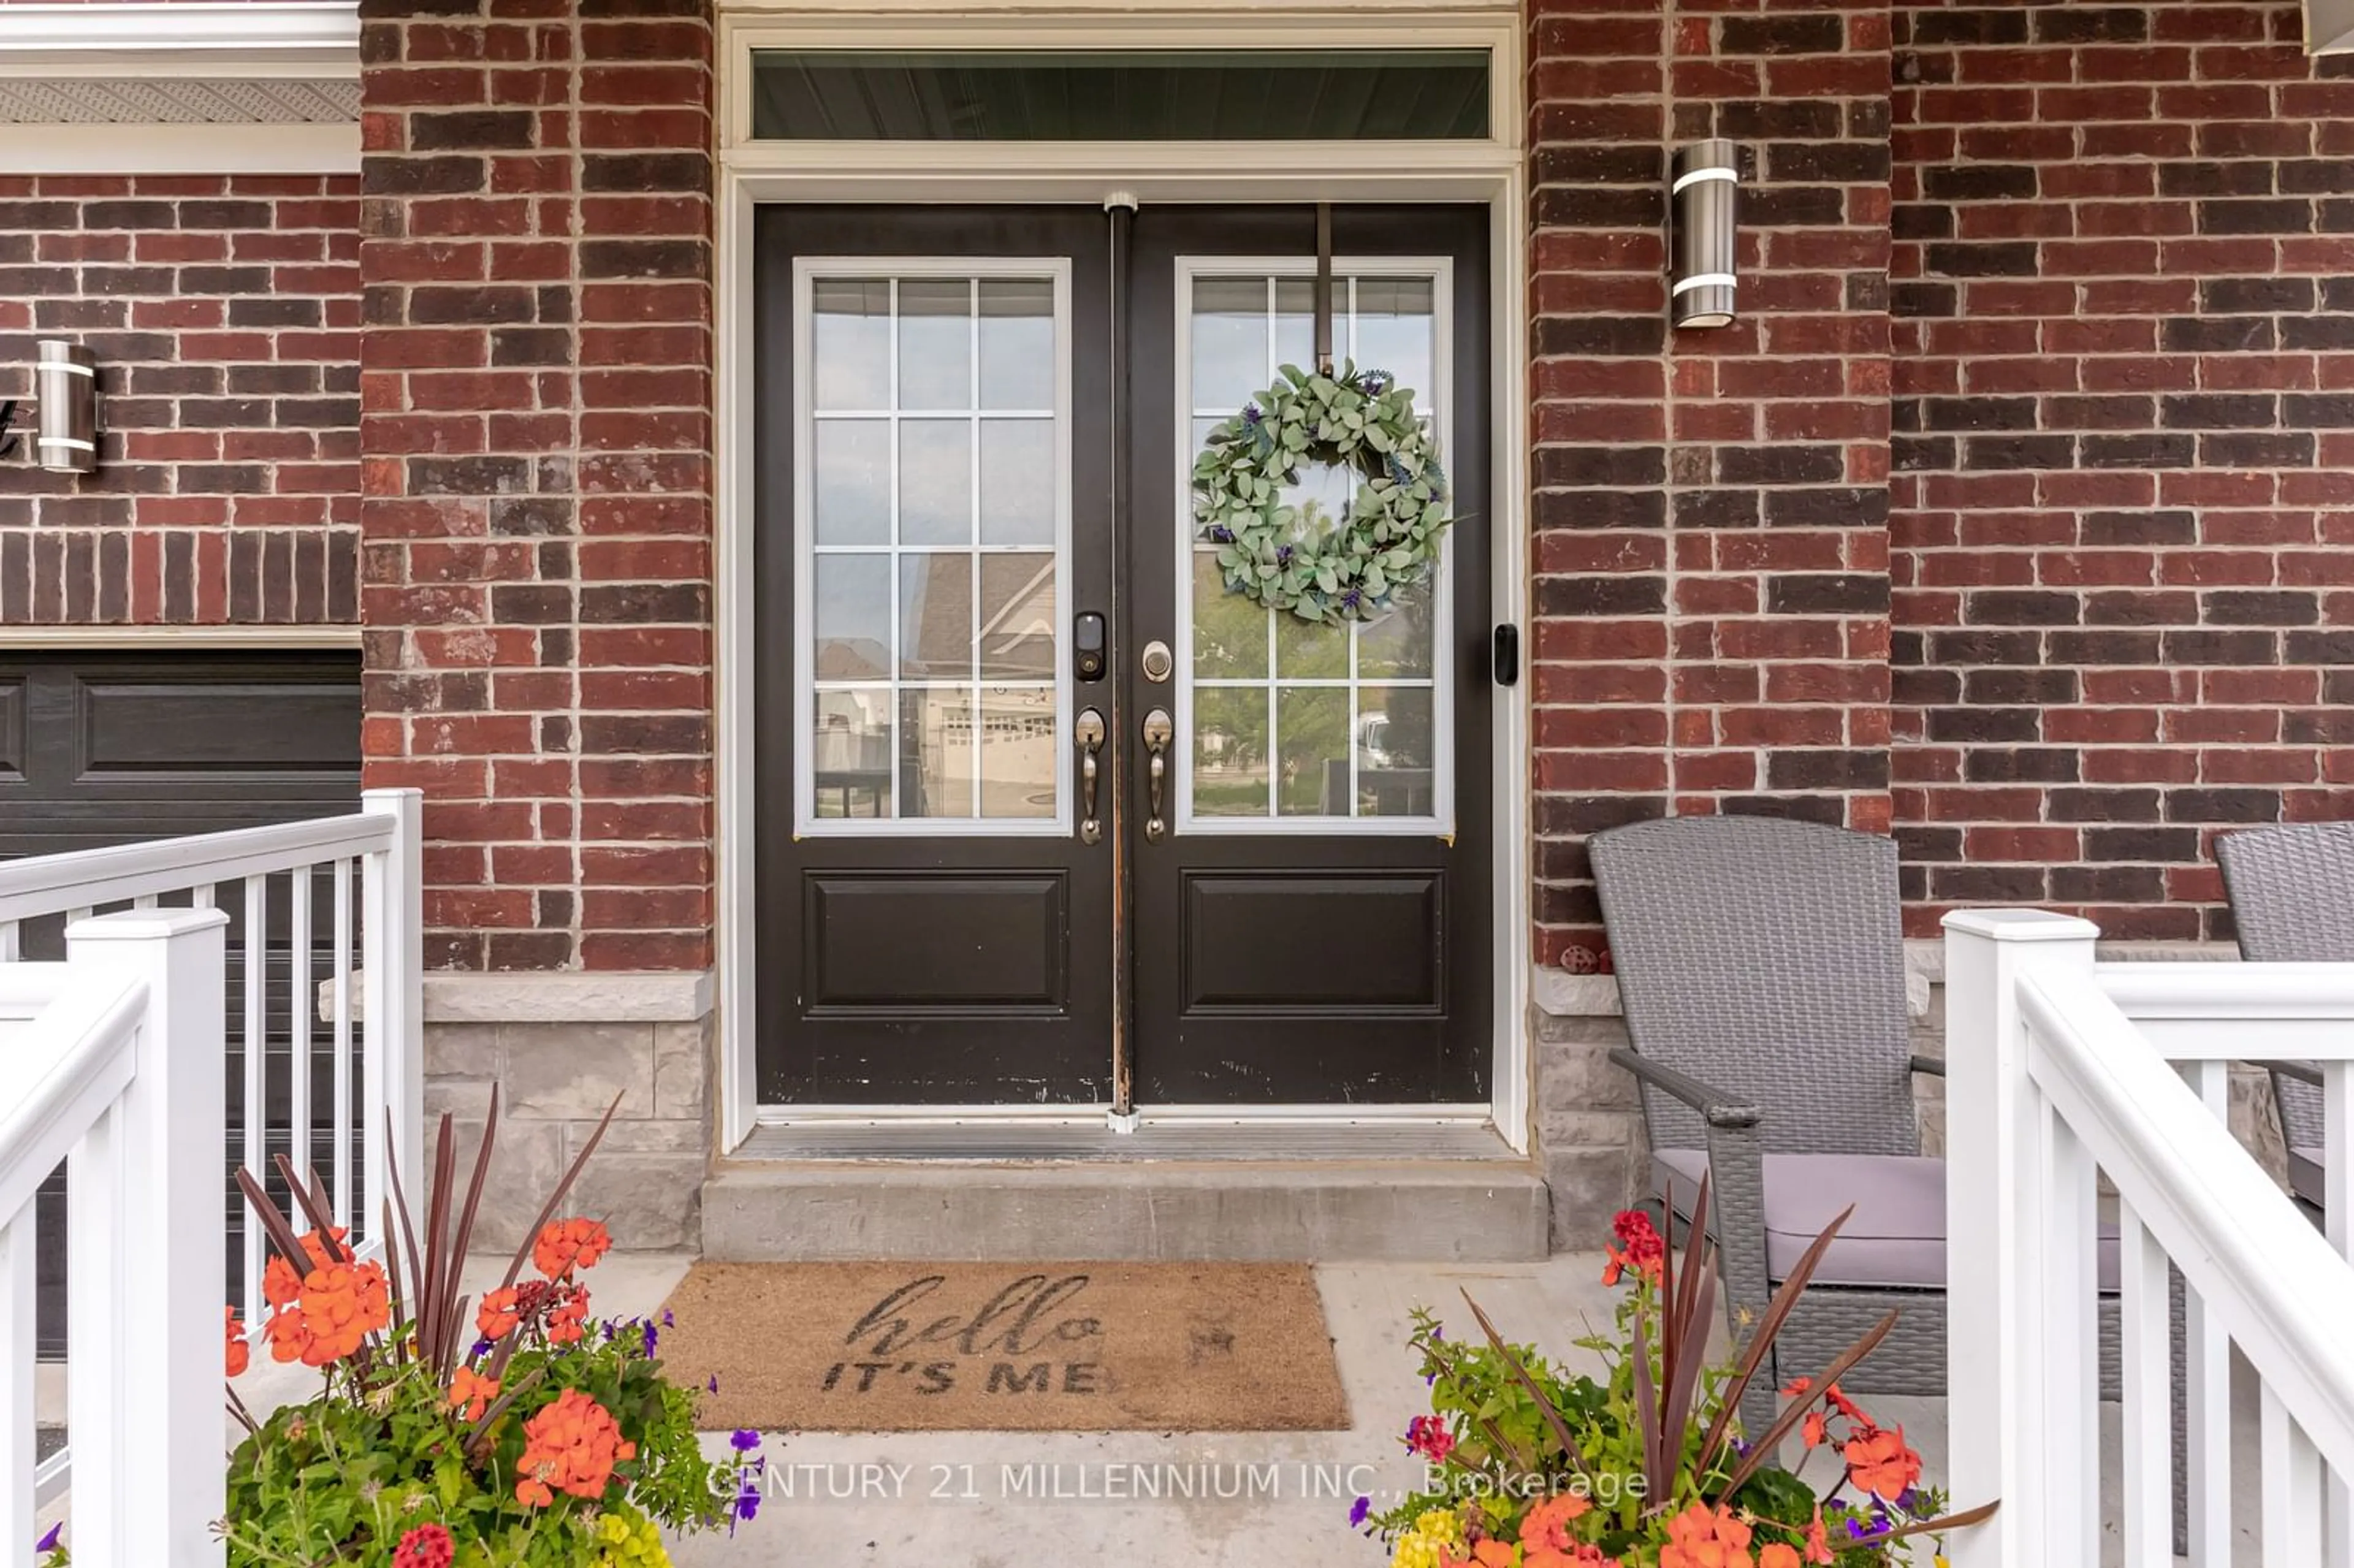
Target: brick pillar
535 434
1710 508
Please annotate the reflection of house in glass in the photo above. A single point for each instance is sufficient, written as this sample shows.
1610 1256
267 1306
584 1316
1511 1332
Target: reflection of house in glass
1003 730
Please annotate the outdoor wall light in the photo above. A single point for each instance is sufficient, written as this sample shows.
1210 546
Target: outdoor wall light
1706 177
65 379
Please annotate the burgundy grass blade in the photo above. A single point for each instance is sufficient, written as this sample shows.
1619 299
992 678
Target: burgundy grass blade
1839 1367
1761 1341
547 1210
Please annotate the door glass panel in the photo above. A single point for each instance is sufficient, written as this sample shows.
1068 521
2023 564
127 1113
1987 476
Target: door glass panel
1295 723
934 533
849 754
936 482
1017 482
936 615
1018 617
1019 751
850 340
1017 345
854 481
1230 754
936 747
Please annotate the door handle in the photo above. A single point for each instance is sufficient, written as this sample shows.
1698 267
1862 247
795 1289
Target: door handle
1089 733
1158 733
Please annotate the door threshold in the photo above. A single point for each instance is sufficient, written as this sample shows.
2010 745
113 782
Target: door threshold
1289 1138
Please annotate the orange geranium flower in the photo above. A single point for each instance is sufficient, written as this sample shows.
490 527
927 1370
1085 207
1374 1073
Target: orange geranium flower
1489 1553
336 1306
571 1446
1819 1540
1776 1555
1701 1538
238 1353
564 1324
470 1393
1583 1555
566 1244
1547 1524
1881 1464
497 1318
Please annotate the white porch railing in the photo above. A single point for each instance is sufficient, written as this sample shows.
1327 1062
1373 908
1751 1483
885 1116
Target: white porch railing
115 1066
2063 1071
334 901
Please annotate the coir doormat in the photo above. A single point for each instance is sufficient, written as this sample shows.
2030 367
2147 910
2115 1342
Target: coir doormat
880 1347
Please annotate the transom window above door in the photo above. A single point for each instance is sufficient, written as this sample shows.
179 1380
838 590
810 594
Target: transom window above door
1296 726
932 525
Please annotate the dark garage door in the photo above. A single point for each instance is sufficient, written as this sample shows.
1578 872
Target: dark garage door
109 748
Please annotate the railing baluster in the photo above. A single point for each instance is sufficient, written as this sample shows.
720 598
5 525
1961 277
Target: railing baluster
98 1399
2337 1211
19 1442
2207 1379
201 896
2292 1490
11 944
2072 1331
301 1004
256 1157
342 1007
2147 1426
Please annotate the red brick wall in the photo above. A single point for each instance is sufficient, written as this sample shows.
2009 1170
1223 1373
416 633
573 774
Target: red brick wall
2124 399
224 314
1711 583
537 480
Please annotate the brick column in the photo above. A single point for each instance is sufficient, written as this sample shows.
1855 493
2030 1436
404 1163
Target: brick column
1710 508
537 478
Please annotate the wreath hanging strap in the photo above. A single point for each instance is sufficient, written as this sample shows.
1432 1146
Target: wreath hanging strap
1390 539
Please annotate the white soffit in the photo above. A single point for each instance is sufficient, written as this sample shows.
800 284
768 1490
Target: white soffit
252 86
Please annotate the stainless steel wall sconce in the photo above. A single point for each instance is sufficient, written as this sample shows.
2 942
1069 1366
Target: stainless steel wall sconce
65 379
1703 214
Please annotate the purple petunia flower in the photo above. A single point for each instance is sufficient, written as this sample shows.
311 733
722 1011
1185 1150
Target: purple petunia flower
653 1338
744 1439
669 1321
49 1542
1358 1510
482 1347
747 1506
712 1386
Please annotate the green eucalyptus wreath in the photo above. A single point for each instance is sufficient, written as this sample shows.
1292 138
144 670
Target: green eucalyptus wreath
1273 552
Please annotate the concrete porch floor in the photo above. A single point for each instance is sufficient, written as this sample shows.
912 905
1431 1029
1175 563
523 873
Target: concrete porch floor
958 1499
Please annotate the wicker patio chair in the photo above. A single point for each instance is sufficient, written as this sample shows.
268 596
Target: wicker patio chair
1761 970
2291 888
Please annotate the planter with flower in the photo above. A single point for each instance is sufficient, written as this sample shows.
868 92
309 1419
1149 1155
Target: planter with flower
1645 1466
517 1432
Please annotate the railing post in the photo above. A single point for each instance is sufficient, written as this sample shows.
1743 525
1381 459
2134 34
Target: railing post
147 1449
393 1009
1998 1326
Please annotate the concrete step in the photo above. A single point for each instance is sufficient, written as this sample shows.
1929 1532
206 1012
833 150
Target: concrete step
1485 1211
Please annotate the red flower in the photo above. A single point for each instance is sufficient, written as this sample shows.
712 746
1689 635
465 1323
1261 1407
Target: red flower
1427 1435
566 1244
238 1354
564 1324
1641 1249
427 1546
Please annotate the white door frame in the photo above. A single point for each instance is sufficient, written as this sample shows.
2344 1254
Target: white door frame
1489 171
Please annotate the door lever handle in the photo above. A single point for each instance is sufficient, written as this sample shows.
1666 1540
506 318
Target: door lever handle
1158 732
1089 733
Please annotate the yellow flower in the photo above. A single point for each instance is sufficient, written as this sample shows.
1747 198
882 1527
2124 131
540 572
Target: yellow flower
1435 1537
631 1540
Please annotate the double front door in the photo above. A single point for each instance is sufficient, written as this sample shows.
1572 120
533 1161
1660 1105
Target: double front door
1046 815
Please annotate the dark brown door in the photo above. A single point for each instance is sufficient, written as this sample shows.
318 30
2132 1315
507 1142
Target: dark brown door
975 430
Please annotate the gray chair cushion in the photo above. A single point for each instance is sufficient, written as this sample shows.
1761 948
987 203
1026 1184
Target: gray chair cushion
2304 1172
1895 1241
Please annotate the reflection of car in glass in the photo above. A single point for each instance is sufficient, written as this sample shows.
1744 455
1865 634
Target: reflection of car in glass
1372 736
